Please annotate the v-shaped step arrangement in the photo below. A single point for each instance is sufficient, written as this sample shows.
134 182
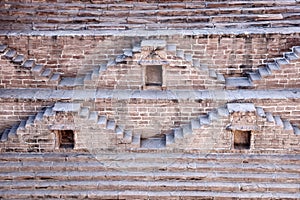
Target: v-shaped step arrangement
129 53
135 141
254 77
57 79
203 121
101 121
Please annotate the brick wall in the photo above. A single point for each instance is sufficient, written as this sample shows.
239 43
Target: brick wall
152 117
15 110
231 55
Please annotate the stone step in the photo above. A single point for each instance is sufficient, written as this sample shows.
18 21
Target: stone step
260 112
213 115
37 69
102 120
87 78
149 157
120 58
153 143
103 67
13 132
204 120
196 63
128 52
55 77
170 138
136 49
111 125
19 59
119 132
180 53
21 126
221 78
296 130
47 73
222 111
71 82
39 116
296 50
136 141
171 47
188 57
127 137
84 112
93 116
278 121
178 133
111 63
187 130
158 185
149 165
155 44
29 121
264 71
66 107
291 56
29 63
49 112
3 48
4 136
254 76
148 176
281 62
10 53
195 124
270 117
287 125
273 66
233 82
143 194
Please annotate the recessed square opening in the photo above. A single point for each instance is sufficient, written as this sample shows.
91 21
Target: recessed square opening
242 139
66 139
153 75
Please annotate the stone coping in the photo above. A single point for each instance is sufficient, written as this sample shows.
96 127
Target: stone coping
148 33
227 95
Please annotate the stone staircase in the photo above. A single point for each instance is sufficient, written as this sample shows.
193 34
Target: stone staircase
124 136
250 80
254 77
149 176
123 15
220 113
39 71
91 77
16 132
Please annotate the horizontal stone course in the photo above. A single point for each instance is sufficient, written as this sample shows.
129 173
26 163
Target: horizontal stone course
223 176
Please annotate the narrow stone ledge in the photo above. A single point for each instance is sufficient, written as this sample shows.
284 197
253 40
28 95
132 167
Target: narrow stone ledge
88 95
148 33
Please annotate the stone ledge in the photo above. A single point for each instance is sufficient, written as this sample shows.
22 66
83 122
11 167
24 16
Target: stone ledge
148 33
88 95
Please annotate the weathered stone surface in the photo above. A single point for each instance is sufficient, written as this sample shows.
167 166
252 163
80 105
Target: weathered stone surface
241 107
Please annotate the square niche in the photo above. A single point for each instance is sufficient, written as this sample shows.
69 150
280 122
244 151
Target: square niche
65 139
242 139
153 75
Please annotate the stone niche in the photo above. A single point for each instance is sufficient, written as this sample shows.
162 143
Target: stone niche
65 139
243 121
241 139
153 75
